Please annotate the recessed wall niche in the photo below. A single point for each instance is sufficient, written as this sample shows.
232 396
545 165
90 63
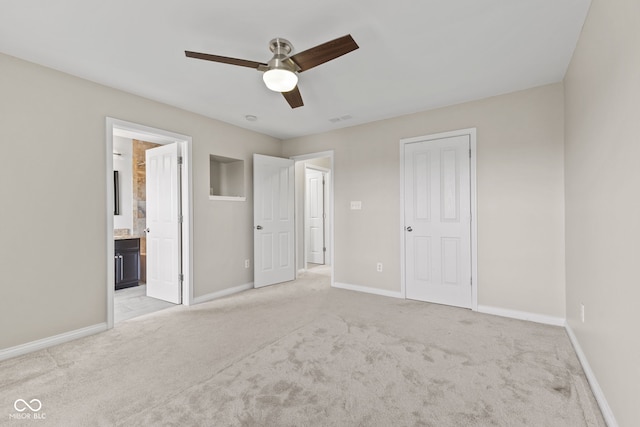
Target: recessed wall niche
226 178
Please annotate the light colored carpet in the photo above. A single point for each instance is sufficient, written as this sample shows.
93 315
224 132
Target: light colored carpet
304 354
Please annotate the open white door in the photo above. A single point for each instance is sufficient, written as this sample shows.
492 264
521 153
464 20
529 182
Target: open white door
273 217
163 223
438 221
314 215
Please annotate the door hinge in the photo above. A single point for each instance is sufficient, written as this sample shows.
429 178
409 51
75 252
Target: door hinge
180 219
471 281
324 249
181 277
179 160
469 152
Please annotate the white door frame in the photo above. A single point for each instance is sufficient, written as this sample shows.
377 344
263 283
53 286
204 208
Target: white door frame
471 132
159 136
329 209
325 202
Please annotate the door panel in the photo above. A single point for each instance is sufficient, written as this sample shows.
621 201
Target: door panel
450 191
273 187
450 260
438 221
423 252
163 223
284 255
422 186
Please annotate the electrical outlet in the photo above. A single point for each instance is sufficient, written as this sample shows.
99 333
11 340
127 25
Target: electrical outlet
379 267
356 205
582 312
246 263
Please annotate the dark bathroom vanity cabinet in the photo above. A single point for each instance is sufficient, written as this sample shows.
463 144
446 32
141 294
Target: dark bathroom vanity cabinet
127 262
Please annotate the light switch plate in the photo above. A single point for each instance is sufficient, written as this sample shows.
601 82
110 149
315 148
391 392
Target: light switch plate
356 205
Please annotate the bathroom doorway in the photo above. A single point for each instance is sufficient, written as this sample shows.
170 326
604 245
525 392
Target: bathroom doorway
128 147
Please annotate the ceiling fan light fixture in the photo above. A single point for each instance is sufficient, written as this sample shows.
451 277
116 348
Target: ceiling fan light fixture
280 80
280 74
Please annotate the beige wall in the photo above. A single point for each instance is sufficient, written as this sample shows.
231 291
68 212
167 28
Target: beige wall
602 96
58 197
53 216
520 196
53 191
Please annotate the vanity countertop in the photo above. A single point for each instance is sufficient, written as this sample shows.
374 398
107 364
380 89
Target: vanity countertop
127 236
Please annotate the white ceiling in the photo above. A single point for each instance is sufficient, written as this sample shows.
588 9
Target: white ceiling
414 55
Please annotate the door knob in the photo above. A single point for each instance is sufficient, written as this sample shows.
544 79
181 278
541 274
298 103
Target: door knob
409 229
259 227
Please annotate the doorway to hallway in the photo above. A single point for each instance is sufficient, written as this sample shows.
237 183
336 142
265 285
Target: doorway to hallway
314 211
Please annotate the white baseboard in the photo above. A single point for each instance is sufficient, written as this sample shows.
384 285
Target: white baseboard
607 413
368 290
21 349
522 315
222 293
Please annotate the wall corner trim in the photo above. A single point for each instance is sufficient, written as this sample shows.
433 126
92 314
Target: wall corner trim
367 289
40 344
222 293
522 315
607 413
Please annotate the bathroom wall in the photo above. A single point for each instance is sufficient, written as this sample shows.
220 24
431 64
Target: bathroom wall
140 187
122 149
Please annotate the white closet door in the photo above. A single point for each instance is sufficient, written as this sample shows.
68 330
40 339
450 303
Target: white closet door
438 221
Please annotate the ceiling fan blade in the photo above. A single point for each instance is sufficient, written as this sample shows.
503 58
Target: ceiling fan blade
324 53
225 59
293 97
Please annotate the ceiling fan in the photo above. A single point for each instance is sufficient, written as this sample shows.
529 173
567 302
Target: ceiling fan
281 72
